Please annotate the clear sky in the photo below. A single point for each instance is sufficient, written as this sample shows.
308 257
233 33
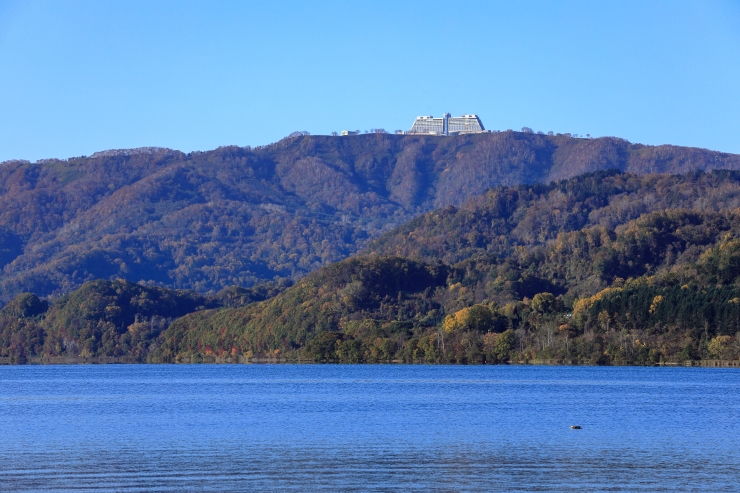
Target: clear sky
82 76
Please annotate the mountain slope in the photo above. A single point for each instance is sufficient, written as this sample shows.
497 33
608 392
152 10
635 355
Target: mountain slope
506 219
235 216
603 268
664 287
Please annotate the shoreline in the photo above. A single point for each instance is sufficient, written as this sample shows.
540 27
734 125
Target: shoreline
241 360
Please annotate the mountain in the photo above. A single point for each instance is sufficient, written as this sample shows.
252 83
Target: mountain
602 268
239 216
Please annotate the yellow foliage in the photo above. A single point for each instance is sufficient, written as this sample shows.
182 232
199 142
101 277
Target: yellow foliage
458 321
720 347
582 305
656 301
470 318
449 325
635 283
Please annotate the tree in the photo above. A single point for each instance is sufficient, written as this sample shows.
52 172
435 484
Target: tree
543 303
498 347
475 318
720 347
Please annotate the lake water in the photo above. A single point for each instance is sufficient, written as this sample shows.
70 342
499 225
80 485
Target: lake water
368 428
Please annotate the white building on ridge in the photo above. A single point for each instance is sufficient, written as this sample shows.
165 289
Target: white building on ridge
447 125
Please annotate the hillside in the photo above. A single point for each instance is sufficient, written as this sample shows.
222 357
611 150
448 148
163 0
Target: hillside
603 268
106 319
508 221
599 282
237 216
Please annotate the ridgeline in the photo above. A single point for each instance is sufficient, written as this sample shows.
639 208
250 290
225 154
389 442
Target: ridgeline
240 216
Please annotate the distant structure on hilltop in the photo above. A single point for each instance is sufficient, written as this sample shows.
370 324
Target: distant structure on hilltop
447 125
428 125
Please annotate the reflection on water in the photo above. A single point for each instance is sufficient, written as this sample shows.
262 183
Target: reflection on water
368 428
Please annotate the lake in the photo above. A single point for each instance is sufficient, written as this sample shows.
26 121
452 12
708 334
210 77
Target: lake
194 428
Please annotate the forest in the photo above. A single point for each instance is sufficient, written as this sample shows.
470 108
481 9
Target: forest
241 216
606 268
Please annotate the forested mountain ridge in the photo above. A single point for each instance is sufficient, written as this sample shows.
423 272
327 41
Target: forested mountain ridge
605 268
679 300
505 220
595 281
236 216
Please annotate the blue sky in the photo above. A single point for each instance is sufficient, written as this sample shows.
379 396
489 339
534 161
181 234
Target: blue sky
78 77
